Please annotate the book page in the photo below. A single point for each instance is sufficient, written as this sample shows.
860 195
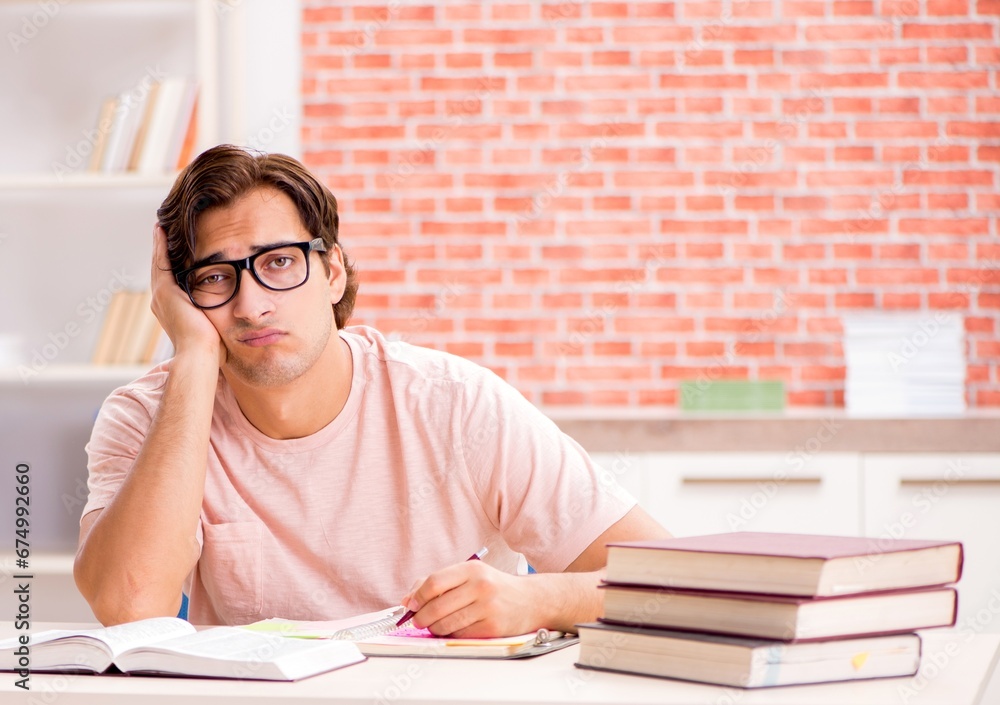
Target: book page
92 649
232 652
117 638
409 641
356 627
422 640
225 644
423 637
122 637
375 633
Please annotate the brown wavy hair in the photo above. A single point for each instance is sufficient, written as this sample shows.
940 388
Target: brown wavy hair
222 175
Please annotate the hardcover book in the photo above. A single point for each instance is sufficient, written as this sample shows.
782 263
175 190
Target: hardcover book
743 662
786 564
781 617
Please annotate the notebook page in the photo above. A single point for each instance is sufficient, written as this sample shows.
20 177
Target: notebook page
353 628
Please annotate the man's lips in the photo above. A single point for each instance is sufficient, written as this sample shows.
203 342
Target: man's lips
259 338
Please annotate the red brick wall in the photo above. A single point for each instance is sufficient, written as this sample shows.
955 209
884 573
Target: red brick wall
599 199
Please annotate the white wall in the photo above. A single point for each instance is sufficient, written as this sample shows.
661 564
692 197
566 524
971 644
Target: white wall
272 73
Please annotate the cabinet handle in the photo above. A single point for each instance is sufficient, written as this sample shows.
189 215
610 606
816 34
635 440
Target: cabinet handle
966 481
750 480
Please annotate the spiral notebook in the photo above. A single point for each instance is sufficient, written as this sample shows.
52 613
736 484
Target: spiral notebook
376 634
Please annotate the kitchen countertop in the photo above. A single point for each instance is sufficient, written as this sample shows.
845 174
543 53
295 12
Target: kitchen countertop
603 430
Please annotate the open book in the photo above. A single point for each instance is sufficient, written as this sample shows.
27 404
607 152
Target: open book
166 645
376 634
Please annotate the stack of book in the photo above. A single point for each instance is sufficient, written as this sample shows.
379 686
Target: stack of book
759 609
150 129
131 335
904 364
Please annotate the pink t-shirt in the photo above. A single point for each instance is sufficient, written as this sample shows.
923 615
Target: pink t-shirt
431 458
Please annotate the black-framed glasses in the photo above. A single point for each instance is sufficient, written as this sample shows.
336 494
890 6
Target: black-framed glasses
277 268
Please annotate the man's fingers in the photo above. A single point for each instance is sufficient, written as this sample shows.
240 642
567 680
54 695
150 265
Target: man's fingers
450 611
405 601
159 244
437 584
161 261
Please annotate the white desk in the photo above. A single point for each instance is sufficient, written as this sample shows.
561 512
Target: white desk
961 679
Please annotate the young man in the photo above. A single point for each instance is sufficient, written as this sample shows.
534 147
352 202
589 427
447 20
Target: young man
283 465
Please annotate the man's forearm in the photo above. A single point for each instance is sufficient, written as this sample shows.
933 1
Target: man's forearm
141 547
566 599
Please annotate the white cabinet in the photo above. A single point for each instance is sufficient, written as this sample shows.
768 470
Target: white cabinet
702 493
627 471
919 495
943 496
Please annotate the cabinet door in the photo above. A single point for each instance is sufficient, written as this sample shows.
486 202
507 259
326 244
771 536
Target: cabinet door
706 493
628 471
944 496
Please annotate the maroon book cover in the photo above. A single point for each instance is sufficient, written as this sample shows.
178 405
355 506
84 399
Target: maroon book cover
780 599
760 543
804 546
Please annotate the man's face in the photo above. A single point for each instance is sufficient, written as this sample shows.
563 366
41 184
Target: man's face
272 337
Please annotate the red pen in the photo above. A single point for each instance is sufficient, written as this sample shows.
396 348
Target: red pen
478 555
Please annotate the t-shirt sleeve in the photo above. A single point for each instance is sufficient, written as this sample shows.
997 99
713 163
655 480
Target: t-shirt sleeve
117 437
538 486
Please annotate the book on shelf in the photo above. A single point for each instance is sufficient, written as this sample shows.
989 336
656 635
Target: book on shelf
143 328
190 137
171 646
142 134
113 141
785 564
744 662
780 617
148 130
104 121
112 322
131 334
376 634
184 130
164 121
131 312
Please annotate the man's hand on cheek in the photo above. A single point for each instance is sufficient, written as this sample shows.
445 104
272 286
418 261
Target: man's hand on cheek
188 328
473 599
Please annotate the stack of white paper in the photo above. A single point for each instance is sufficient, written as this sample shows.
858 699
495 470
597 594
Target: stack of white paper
905 364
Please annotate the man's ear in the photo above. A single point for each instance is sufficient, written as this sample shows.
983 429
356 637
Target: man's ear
338 274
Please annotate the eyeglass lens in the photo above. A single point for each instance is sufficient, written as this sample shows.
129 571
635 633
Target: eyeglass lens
278 269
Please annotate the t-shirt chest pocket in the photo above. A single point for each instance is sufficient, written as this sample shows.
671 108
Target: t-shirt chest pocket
232 569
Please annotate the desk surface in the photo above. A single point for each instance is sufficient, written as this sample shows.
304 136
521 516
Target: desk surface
956 670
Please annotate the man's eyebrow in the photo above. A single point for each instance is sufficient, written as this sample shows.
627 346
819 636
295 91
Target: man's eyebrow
216 257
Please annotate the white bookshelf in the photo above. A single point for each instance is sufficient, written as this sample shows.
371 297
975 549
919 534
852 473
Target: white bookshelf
66 239
81 375
51 182
74 234
69 238
71 56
